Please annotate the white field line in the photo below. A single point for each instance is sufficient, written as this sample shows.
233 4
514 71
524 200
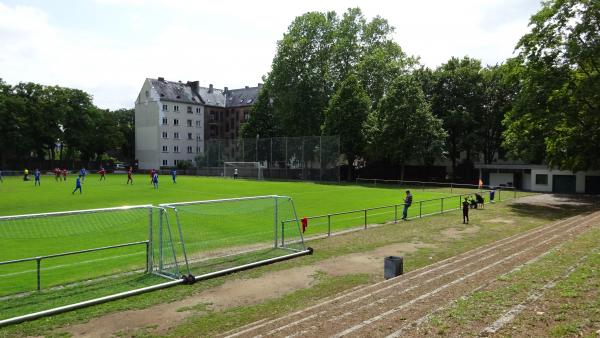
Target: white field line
428 269
385 299
445 286
425 318
509 315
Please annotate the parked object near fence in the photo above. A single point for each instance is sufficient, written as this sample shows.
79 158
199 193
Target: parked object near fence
393 266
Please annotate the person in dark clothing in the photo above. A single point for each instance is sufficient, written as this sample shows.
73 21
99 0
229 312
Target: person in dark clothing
479 200
407 203
473 203
465 209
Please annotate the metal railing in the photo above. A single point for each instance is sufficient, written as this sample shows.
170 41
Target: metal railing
424 184
39 259
363 214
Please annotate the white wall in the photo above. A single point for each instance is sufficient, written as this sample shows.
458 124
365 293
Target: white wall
497 179
579 179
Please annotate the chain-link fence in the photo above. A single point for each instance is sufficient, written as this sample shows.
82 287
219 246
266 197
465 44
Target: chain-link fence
314 158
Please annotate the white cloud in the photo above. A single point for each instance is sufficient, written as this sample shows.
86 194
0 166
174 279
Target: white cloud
229 44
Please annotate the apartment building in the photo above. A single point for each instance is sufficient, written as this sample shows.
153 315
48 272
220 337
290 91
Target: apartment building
174 119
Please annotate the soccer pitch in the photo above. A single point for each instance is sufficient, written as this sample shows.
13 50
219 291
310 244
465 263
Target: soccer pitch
35 238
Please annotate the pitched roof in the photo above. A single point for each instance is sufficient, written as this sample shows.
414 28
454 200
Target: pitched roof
192 93
175 91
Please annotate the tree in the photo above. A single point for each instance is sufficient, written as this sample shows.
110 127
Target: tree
262 119
403 128
125 119
457 98
345 116
556 116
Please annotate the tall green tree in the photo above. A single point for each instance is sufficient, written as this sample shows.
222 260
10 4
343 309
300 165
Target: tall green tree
345 116
404 129
556 116
457 98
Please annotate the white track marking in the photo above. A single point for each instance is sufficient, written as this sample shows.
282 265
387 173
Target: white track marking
431 293
427 269
509 315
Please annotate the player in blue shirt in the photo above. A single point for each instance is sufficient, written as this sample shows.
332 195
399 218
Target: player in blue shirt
174 175
36 175
155 180
82 174
77 185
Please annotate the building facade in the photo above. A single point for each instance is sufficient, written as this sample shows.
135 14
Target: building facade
173 120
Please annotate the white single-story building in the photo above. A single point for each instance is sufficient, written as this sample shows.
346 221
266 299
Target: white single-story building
540 178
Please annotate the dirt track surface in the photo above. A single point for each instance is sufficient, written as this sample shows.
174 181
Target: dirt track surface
395 307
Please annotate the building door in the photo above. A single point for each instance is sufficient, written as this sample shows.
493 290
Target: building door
563 184
592 184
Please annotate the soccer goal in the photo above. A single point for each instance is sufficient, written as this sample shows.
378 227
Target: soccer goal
227 233
244 169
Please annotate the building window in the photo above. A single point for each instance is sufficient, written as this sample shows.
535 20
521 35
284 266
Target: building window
189 123
174 162
190 136
212 115
165 149
189 109
175 149
176 108
175 122
198 123
246 116
165 162
198 138
176 135
541 179
164 134
198 110
189 149
165 107
147 93
165 121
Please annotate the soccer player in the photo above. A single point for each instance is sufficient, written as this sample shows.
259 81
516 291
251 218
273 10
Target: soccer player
235 174
129 176
407 203
57 174
82 174
102 173
77 185
174 175
152 172
36 175
155 180
25 175
64 173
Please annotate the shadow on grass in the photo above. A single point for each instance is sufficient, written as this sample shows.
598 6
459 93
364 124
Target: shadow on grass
554 207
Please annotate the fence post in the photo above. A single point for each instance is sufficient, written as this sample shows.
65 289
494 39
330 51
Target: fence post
148 267
282 233
499 195
365 218
395 213
149 262
420 209
442 199
39 262
451 187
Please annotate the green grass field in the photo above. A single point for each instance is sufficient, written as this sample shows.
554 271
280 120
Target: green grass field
219 228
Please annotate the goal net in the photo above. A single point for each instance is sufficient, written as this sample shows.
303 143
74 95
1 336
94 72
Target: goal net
223 234
243 169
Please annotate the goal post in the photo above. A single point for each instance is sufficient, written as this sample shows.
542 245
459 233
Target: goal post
226 233
244 169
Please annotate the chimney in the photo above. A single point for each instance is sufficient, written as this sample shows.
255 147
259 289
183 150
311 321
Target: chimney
247 87
194 85
210 88
161 79
226 90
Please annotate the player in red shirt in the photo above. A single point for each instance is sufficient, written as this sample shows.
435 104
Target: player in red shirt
129 176
64 173
57 174
102 173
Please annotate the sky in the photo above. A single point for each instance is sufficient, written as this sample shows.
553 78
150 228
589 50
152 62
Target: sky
108 47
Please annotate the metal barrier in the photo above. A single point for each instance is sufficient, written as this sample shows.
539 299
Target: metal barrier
364 213
40 258
424 184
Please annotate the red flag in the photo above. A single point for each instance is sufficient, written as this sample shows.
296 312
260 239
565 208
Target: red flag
304 222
